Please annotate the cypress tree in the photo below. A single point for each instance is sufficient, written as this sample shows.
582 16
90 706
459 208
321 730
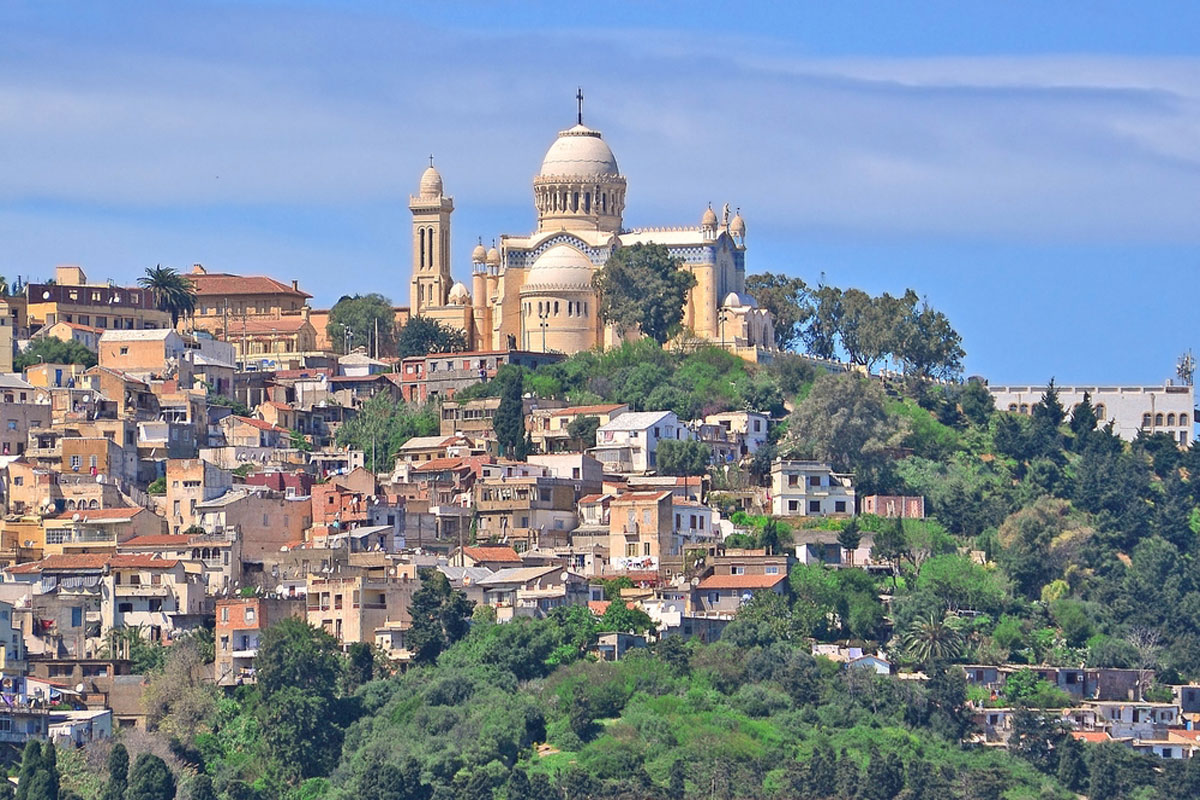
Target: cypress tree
150 779
118 773
1072 771
201 788
31 764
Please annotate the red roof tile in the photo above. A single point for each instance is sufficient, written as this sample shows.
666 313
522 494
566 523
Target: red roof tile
223 284
493 553
262 425
1090 736
573 411
141 561
741 581
65 561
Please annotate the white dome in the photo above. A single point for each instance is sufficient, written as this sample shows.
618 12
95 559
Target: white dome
709 220
737 225
431 183
734 300
579 152
459 296
493 257
478 255
562 267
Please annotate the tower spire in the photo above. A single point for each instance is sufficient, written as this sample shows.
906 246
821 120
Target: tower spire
579 97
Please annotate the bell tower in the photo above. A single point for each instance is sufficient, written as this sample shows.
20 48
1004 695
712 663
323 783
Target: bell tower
431 211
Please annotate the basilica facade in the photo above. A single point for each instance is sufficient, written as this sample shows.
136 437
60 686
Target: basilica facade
534 291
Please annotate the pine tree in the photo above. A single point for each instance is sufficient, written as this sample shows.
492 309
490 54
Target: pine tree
1072 771
509 420
517 786
848 776
676 786
31 764
1083 421
201 788
822 772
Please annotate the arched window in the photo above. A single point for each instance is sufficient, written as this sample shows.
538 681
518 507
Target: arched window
421 236
1012 407
556 308
1024 408
94 504
1158 419
575 202
1171 420
195 552
1100 411
1145 420
604 202
1183 419
587 202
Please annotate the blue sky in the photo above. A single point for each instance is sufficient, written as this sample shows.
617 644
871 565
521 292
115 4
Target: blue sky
1033 169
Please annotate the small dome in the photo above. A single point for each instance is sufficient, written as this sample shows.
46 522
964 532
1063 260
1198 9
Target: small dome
562 267
709 220
459 296
737 226
579 152
732 300
478 255
431 183
493 257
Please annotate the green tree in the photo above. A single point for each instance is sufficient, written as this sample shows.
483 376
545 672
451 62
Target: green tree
49 350
643 288
150 779
582 431
849 538
360 665
366 320
931 348
439 616
173 293
381 426
623 619
1071 769
842 422
294 654
1083 420
31 764
820 335
976 402
932 639
421 336
787 300
509 420
118 773
682 457
304 738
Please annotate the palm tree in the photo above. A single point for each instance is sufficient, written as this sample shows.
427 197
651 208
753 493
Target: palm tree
173 292
932 639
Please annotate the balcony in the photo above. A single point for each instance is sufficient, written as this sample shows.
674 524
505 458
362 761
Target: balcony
141 590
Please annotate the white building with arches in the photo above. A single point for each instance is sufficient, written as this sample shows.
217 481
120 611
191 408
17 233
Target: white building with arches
1165 409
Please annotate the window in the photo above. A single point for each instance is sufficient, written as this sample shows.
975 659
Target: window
76 617
793 480
814 506
814 480
737 570
225 614
771 570
250 613
713 598
1158 419
12 424
1171 420
1183 419
125 608
839 506
155 604
1145 420
645 548
124 351
631 550
225 643
76 462
793 505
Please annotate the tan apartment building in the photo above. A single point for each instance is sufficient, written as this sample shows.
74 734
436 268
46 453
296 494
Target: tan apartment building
352 607
154 596
641 531
525 512
97 530
264 521
191 481
549 427
18 418
223 300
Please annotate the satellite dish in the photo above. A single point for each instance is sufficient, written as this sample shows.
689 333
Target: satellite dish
79 688
564 577
671 609
76 517
100 478
46 295
695 581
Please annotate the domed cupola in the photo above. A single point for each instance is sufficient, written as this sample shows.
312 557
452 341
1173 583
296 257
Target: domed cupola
579 186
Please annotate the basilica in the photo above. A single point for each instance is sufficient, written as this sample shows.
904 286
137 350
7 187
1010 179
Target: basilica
534 291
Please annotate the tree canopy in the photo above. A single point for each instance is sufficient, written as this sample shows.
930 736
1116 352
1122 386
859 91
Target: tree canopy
173 293
422 335
51 350
363 320
642 288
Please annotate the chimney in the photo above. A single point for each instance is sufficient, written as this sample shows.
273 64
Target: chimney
295 285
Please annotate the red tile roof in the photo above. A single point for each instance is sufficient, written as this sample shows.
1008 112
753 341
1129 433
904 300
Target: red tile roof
741 581
493 553
1184 734
65 561
438 464
598 607
223 283
1090 736
100 514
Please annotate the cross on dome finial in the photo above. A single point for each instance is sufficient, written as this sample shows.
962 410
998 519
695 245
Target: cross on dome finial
431 159
579 97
